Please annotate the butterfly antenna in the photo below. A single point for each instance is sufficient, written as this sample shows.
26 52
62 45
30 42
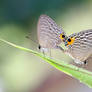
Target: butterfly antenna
28 37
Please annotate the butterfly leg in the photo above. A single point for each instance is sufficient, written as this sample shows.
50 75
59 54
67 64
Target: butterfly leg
60 48
50 52
78 62
81 63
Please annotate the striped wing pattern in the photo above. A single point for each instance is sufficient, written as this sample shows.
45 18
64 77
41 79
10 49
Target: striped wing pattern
82 46
48 32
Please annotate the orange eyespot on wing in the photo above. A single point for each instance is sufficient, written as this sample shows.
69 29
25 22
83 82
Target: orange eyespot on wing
62 36
70 41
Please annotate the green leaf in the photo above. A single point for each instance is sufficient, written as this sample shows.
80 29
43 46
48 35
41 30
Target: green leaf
81 74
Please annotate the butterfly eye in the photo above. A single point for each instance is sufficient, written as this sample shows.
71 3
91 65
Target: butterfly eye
62 36
69 40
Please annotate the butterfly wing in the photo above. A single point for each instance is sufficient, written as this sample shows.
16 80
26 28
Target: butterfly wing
82 46
48 32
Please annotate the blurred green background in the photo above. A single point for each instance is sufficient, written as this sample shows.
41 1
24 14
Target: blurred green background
24 72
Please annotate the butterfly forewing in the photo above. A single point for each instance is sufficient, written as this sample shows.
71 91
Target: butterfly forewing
48 32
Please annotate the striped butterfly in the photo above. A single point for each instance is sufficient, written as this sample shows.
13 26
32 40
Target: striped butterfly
80 46
50 35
